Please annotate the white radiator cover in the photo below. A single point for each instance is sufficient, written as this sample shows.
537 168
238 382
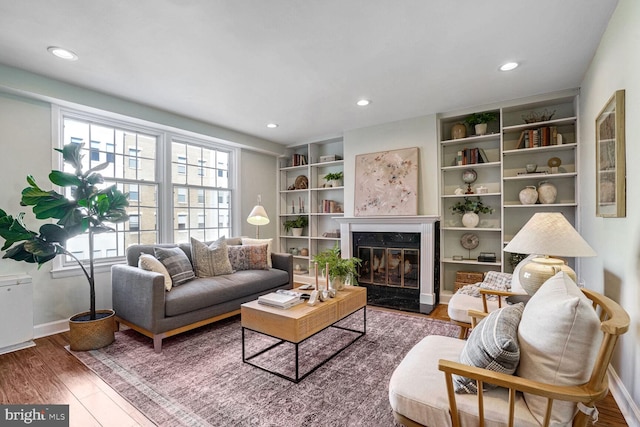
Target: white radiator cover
16 313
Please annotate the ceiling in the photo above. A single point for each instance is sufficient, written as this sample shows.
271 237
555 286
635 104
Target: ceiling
303 64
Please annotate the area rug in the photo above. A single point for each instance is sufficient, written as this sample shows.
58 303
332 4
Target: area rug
199 379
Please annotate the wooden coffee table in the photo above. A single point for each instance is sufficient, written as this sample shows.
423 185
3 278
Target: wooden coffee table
296 324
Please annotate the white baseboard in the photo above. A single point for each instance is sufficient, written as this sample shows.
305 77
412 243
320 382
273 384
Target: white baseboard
51 328
628 407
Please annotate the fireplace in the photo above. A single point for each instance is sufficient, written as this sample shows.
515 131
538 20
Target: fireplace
400 266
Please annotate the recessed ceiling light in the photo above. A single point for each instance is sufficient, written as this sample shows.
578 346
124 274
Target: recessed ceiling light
509 66
272 125
363 102
62 53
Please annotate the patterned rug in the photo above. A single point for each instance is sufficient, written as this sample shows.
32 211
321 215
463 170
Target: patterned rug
199 379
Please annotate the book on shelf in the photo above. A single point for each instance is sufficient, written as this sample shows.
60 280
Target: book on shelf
540 137
534 173
280 300
471 156
298 159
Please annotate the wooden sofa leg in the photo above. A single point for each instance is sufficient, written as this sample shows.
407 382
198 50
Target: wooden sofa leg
157 344
463 332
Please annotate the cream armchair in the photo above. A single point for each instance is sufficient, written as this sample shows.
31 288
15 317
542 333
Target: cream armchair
487 296
566 337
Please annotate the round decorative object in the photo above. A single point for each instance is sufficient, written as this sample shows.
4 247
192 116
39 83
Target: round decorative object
469 241
470 219
302 183
547 192
528 195
304 251
458 131
531 167
554 162
469 176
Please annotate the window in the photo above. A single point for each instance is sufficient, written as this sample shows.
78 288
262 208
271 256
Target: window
134 194
124 148
95 151
206 195
189 196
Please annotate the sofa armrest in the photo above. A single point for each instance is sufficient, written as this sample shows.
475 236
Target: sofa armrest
138 295
283 261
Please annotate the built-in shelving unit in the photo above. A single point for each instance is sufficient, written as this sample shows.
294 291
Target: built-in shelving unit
321 201
509 145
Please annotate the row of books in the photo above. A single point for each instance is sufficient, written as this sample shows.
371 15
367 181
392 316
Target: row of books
471 156
541 137
298 159
330 206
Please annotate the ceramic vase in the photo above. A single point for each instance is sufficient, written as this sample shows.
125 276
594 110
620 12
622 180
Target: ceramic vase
296 231
458 131
470 219
528 195
547 192
481 128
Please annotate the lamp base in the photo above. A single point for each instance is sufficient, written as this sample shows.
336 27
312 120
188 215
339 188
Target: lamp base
537 271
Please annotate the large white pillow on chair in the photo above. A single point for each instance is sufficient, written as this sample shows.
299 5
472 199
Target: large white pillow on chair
559 337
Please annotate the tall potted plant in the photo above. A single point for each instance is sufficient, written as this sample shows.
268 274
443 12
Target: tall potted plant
87 210
341 270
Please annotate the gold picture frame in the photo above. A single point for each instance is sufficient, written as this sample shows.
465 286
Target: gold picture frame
610 159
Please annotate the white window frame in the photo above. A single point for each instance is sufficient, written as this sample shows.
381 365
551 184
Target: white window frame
165 134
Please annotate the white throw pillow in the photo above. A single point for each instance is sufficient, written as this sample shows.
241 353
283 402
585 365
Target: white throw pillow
559 337
150 263
249 241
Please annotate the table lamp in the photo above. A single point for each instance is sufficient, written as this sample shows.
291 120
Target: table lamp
550 235
258 217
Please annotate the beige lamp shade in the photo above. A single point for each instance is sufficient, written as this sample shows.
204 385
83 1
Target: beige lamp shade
258 216
547 234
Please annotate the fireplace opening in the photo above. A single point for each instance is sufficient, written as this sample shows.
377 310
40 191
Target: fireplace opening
390 268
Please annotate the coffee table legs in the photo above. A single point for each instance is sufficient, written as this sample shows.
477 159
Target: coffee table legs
247 359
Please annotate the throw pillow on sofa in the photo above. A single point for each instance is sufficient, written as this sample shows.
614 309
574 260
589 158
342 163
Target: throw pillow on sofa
211 260
559 339
150 263
250 257
493 345
249 241
176 263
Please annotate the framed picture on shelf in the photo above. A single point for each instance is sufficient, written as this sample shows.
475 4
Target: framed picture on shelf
610 159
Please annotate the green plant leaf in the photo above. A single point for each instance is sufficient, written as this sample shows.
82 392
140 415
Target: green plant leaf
19 253
71 154
64 179
54 233
52 208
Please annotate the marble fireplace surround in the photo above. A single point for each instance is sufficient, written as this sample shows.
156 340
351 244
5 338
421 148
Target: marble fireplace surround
423 224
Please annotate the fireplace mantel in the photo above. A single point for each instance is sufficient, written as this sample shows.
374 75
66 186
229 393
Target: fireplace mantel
426 225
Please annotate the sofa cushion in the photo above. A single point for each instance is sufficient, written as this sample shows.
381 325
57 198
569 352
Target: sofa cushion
150 263
250 257
493 345
418 389
559 340
206 292
269 242
176 263
210 260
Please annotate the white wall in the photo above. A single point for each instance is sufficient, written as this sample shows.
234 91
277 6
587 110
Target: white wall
417 132
616 270
25 139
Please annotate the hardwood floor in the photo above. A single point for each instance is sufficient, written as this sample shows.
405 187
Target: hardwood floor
48 374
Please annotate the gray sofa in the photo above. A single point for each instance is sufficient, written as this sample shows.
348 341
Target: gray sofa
142 303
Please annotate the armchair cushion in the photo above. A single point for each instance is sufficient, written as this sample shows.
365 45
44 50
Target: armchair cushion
559 337
493 345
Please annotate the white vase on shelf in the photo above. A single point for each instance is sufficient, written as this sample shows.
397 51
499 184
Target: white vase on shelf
470 219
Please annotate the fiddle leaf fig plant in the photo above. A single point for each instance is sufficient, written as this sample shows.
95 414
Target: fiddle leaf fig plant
87 210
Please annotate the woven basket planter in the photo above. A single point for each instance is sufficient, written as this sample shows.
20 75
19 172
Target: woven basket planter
92 334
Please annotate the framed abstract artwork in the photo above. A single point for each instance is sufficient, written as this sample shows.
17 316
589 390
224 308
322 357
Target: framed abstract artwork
610 159
386 183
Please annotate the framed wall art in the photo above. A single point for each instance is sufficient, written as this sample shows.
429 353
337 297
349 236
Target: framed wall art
610 159
386 183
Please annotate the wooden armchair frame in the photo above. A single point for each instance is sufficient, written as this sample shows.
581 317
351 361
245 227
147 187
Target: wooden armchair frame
614 322
465 327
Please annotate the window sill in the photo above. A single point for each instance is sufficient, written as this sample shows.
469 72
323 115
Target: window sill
60 272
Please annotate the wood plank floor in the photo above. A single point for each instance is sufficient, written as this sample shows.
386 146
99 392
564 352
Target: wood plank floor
48 374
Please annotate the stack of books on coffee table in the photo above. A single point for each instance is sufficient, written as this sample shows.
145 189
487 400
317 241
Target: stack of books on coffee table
280 300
